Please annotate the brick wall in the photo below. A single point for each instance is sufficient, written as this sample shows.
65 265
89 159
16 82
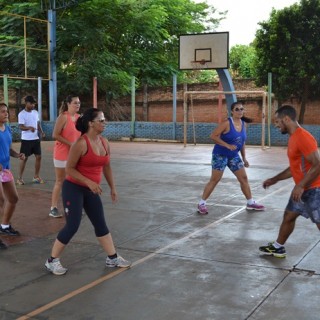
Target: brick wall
202 109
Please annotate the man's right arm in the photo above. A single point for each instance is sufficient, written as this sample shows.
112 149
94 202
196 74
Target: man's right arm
285 174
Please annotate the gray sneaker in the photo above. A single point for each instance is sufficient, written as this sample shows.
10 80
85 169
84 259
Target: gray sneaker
55 267
54 213
117 262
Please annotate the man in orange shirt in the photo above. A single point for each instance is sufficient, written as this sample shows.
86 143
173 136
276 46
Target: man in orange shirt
304 161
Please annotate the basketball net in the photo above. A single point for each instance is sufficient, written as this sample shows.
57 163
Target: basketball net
199 65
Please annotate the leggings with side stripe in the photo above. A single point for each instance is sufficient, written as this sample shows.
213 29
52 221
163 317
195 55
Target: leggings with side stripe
74 198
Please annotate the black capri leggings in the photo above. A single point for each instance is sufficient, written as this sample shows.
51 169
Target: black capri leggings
74 198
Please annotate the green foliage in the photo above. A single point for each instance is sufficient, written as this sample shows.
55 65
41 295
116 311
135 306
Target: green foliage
288 46
242 61
198 76
18 32
114 40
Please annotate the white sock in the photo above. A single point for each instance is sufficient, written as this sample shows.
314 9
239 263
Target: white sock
5 226
277 245
250 201
202 202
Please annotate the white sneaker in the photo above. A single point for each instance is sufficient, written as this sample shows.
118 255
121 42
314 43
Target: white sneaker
117 262
55 267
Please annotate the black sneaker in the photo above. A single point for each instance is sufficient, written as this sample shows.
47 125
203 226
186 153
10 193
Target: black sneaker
3 245
270 250
9 231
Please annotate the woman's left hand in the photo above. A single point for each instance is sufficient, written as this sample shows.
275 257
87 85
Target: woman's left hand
246 163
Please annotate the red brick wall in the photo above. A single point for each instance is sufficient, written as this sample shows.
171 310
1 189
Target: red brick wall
202 108
160 104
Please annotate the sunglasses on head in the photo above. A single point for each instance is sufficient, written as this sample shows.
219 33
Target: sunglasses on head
238 109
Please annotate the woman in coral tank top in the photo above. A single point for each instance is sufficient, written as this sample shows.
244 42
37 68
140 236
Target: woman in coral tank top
65 134
89 159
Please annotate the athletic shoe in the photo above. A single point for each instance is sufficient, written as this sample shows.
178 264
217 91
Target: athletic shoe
9 231
270 250
54 213
255 206
117 262
20 182
202 209
37 180
55 267
3 245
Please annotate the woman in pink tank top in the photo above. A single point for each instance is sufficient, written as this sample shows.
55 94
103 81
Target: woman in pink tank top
65 134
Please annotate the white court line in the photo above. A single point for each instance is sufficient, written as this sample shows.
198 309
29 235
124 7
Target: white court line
136 263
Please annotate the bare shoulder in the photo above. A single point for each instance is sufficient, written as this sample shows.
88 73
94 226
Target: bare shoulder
62 118
225 125
80 143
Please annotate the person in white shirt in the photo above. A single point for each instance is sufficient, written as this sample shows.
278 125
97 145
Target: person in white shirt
31 131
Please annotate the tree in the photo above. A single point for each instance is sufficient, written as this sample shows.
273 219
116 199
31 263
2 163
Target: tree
288 46
14 59
144 43
242 60
117 39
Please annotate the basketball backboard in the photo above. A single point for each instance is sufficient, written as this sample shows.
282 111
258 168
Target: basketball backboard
204 51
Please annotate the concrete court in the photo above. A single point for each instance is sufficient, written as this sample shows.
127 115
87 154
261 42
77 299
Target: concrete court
185 266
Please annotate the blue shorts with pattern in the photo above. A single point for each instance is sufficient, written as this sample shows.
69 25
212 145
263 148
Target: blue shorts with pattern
309 206
220 162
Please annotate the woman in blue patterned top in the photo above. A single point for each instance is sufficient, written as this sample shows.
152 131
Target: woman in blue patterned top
229 138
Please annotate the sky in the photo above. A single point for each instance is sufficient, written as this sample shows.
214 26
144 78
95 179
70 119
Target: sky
243 16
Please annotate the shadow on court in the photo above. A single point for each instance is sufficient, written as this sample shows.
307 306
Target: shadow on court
185 266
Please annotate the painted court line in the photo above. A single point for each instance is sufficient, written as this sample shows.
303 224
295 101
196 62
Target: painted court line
142 260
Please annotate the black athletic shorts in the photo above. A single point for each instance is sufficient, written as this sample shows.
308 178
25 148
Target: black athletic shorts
29 147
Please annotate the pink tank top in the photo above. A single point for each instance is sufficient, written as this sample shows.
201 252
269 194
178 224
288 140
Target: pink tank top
90 165
69 132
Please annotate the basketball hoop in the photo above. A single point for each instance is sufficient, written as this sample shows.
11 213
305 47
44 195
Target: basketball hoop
199 65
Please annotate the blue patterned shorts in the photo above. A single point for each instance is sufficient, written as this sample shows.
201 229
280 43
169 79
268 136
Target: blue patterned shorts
219 162
309 206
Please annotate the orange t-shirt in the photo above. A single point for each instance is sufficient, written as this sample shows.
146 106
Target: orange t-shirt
301 144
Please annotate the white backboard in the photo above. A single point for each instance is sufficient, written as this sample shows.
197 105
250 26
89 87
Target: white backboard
204 51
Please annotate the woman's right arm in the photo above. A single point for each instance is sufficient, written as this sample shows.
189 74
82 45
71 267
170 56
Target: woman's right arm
224 127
